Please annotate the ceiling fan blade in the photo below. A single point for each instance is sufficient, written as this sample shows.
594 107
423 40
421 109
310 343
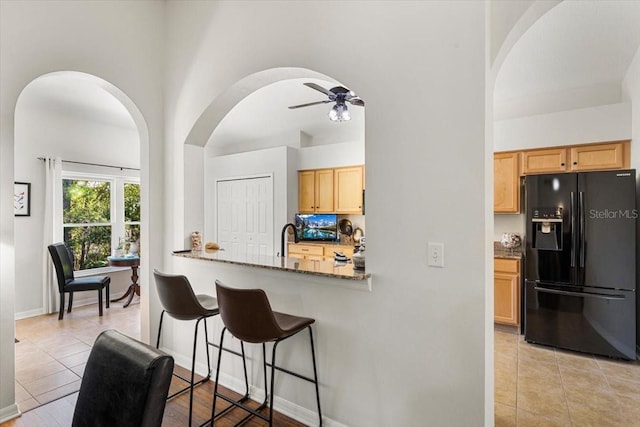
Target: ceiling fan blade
310 103
356 101
318 88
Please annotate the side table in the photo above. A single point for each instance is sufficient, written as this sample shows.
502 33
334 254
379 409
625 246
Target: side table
134 287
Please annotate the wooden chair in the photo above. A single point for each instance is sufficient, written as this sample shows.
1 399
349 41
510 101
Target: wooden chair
67 283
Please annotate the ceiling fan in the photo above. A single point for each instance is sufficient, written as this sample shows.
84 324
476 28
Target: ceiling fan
340 95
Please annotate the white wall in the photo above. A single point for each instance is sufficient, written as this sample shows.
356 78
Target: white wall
120 42
437 55
631 93
53 133
603 123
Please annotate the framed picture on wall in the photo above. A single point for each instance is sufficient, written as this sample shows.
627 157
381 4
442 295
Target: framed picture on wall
21 198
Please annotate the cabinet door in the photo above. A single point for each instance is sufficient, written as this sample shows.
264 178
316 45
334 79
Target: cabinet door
348 190
506 183
599 156
324 191
544 161
506 298
306 191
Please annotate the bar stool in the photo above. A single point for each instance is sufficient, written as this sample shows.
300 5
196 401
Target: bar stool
179 301
247 315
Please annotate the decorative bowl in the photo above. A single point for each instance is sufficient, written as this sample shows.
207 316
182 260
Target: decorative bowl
510 240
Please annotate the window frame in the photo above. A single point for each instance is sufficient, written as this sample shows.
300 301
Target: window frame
116 209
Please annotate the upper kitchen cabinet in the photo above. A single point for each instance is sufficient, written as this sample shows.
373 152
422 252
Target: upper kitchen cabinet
315 191
506 183
613 155
574 158
348 186
547 160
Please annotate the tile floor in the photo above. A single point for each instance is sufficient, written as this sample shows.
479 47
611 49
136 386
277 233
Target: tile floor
51 354
537 385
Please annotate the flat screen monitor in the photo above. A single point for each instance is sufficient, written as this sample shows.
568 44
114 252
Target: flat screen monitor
322 227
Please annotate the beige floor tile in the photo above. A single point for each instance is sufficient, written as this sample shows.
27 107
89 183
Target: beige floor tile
630 410
59 392
536 353
75 359
21 393
595 409
505 415
576 360
625 388
60 352
27 373
505 379
79 370
581 379
543 400
27 404
530 419
50 382
620 369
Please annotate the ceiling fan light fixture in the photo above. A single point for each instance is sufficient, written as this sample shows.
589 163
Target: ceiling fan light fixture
339 113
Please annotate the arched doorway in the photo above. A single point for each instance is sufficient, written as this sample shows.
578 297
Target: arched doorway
91 125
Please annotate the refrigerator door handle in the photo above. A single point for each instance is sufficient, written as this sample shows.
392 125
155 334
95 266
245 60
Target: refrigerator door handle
579 294
582 226
573 230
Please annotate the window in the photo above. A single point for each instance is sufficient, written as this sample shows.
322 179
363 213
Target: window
99 213
132 215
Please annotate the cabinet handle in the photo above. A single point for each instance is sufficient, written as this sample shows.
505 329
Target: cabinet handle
575 163
317 207
561 164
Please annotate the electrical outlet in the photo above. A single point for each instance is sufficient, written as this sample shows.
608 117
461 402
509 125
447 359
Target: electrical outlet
435 254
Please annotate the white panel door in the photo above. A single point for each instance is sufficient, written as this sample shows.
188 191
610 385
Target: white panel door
245 216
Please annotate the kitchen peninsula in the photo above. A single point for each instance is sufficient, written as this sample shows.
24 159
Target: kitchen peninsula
337 297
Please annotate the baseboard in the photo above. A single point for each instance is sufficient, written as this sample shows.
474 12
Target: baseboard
29 313
9 413
283 406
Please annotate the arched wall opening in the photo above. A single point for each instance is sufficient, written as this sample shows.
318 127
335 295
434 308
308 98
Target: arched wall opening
67 125
286 146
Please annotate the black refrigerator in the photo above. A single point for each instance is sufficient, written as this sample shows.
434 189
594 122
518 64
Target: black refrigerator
580 262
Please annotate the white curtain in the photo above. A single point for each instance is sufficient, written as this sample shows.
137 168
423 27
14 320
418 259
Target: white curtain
52 230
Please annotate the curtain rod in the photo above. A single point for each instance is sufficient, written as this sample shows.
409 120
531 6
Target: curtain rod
95 164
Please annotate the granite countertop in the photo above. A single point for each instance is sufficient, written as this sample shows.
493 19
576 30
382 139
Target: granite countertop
501 252
313 267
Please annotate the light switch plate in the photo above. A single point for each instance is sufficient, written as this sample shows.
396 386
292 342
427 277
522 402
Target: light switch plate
435 254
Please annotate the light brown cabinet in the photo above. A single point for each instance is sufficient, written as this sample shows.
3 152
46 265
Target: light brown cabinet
544 161
506 183
317 251
600 156
348 185
586 157
336 190
302 251
506 291
315 191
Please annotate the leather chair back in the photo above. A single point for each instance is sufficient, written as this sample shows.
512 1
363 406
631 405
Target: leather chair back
125 383
247 314
177 297
63 263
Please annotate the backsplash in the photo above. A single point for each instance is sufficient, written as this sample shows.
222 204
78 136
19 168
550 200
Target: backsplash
508 223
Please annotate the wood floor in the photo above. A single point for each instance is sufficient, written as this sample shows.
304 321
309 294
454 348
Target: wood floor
50 360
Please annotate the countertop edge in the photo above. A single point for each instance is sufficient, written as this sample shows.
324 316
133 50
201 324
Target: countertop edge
356 277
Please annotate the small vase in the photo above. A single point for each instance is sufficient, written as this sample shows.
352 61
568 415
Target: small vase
133 248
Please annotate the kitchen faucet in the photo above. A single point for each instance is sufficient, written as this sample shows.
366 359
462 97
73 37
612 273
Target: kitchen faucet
284 230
